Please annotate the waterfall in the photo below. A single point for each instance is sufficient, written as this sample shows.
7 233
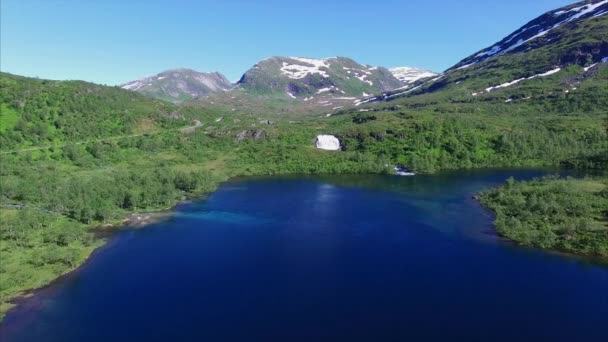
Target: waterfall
328 142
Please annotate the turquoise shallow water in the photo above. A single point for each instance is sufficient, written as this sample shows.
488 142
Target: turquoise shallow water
344 258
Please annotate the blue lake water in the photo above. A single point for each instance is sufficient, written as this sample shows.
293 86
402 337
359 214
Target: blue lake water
345 258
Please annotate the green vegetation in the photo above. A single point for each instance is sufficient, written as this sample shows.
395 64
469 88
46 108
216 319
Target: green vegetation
563 214
8 118
138 159
42 112
37 247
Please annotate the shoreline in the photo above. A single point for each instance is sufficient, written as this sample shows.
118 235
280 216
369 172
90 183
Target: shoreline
104 232
102 235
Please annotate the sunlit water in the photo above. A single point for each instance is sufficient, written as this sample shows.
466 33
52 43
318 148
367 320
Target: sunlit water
348 258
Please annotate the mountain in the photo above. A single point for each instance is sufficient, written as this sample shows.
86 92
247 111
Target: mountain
300 78
544 31
558 52
408 75
179 85
283 84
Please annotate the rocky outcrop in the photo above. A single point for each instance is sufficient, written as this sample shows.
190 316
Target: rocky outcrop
251 134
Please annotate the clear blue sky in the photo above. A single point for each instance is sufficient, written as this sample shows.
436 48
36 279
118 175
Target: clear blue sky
114 41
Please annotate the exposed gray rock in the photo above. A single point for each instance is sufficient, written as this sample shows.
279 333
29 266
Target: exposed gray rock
251 134
180 85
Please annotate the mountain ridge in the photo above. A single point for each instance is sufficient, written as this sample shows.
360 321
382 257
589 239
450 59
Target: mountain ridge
304 77
295 78
537 28
543 50
179 84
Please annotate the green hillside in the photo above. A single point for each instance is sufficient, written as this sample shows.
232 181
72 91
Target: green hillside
42 112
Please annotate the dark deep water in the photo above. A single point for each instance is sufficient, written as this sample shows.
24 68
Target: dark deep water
345 258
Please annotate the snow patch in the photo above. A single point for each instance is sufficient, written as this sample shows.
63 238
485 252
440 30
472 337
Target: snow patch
493 50
305 67
465 66
508 84
589 67
362 78
133 85
409 75
550 72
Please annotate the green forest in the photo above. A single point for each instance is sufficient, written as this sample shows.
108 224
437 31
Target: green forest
564 214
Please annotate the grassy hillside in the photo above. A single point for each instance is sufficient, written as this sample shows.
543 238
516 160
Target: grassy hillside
39 112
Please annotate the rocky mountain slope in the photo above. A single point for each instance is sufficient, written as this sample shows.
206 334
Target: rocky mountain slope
544 31
553 53
302 78
180 85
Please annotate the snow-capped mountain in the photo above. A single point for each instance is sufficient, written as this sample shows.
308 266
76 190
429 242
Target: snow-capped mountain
408 75
561 48
179 85
539 32
304 78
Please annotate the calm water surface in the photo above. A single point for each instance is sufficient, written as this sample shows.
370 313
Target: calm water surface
349 258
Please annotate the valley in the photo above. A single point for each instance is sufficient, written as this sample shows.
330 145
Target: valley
78 156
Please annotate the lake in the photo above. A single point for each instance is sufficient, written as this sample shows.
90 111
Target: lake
340 258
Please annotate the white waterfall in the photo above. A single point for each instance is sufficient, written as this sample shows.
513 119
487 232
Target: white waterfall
328 142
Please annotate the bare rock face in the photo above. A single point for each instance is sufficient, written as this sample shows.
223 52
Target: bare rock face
251 134
328 143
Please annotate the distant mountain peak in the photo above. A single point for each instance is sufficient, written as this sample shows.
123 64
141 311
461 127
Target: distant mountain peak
302 77
180 84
